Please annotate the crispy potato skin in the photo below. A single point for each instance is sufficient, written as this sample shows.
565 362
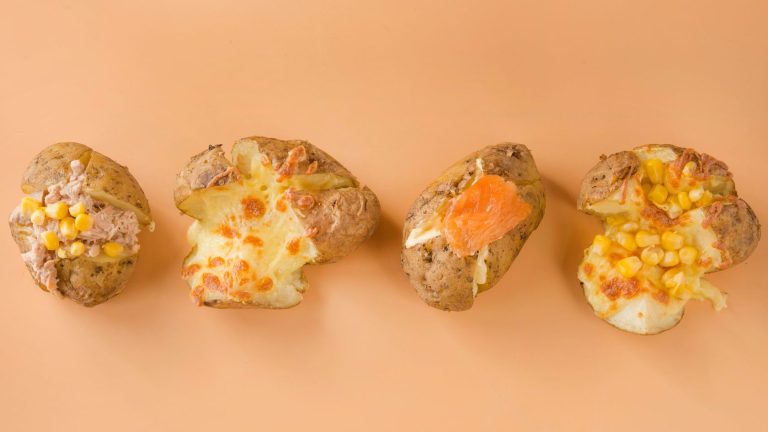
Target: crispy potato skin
88 281
276 150
442 278
341 218
606 177
737 229
203 168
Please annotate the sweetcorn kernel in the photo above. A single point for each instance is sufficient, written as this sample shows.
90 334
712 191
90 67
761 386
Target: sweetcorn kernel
57 210
645 239
76 249
29 205
673 279
601 244
112 249
50 240
706 199
689 168
670 259
67 228
652 255
627 241
671 241
84 222
61 253
688 255
615 220
38 217
696 193
654 169
630 227
77 209
684 200
658 194
629 266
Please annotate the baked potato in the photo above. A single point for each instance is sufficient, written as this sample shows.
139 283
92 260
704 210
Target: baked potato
671 215
465 229
261 216
77 227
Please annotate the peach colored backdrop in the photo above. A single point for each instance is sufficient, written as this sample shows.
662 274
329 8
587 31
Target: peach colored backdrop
396 91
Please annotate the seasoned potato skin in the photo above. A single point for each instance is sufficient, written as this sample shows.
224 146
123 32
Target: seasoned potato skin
342 218
87 281
733 220
442 278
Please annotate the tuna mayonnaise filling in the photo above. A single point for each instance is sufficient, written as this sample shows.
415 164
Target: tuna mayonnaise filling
110 225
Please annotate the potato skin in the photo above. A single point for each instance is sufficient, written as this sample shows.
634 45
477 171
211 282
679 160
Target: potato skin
606 177
201 170
88 281
442 278
737 229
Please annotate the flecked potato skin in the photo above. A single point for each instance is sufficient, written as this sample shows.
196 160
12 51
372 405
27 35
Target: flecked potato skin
737 229
88 281
606 177
341 218
442 278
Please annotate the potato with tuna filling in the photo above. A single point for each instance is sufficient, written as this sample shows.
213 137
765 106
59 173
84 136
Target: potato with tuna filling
671 215
259 218
78 227
465 229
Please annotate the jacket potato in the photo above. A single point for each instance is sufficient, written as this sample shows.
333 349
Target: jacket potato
671 215
77 227
465 229
276 206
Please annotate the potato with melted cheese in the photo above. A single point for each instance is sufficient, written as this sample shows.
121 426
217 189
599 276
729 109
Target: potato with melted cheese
465 229
671 215
77 227
264 214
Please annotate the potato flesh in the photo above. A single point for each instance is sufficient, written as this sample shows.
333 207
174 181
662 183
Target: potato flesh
256 259
645 302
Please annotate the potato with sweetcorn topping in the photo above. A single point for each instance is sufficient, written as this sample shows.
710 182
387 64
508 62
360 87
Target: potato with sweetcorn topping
671 215
465 229
77 229
259 218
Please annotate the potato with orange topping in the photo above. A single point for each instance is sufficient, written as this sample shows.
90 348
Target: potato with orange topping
670 215
465 229
262 215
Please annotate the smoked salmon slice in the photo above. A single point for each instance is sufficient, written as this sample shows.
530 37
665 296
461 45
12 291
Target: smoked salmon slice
482 214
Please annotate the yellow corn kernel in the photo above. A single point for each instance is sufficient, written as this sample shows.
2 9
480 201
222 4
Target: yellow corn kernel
76 249
57 210
627 241
688 255
67 228
706 199
652 255
29 205
696 193
61 253
38 217
658 194
84 222
112 249
654 170
645 239
615 220
601 244
689 168
684 200
629 266
671 241
646 186
50 240
77 209
673 279
670 259
629 227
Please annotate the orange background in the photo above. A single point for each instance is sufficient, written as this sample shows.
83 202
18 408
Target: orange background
397 91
